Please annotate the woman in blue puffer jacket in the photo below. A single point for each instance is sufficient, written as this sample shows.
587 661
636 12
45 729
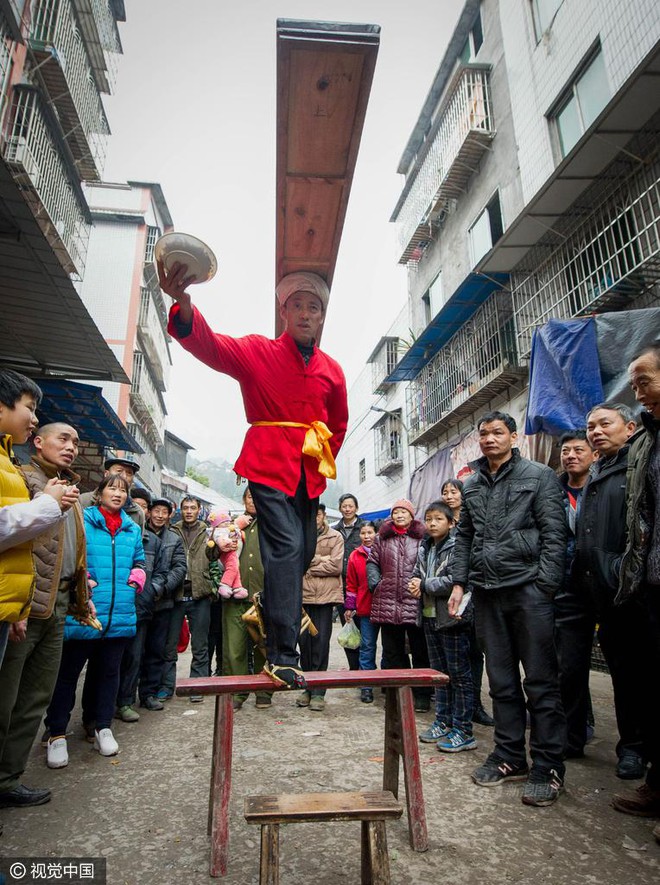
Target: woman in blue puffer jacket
115 560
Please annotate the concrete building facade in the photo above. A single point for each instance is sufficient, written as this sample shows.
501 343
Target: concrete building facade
531 192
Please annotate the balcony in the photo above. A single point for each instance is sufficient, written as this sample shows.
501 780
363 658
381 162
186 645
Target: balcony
152 329
64 67
479 362
383 362
388 449
99 31
55 199
464 130
146 403
609 259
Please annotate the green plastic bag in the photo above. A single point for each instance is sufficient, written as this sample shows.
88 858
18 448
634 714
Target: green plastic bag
349 635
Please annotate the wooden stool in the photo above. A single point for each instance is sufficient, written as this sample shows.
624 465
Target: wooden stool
373 809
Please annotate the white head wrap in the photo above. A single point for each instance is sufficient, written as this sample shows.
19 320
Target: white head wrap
302 282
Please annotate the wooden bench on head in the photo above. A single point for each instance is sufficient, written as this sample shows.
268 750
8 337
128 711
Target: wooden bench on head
373 809
400 740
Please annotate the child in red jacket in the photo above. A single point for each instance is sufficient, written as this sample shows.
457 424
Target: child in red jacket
358 603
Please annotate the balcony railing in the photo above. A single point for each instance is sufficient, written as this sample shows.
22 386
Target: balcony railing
31 153
65 69
464 131
6 47
99 30
606 262
153 336
145 402
479 362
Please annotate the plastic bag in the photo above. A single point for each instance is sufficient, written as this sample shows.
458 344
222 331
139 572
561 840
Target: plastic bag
349 635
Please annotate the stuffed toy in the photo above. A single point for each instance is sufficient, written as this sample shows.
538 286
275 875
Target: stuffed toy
223 529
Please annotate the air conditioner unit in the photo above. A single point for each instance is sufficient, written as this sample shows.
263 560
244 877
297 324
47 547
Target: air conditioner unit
18 154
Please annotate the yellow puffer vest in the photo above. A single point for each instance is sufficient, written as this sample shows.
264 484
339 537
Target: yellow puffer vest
16 566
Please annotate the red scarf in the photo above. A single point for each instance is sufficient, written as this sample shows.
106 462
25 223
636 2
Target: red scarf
401 530
112 520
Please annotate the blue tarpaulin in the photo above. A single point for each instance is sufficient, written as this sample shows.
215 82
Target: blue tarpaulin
564 376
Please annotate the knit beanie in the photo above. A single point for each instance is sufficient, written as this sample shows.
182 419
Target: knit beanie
405 505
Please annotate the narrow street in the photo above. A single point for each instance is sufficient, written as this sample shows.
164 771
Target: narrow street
145 810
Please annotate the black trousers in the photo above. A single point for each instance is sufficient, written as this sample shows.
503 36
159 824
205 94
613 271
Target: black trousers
395 655
215 637
516 626
574 634
287 541
315 650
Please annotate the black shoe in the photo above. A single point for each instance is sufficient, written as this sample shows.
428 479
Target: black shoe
542 787
152 703
630 766
367 695
22 797
496 770
481 717
289 677
422 705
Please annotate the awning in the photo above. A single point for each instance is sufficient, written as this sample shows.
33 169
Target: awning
470 295
83 406
45 328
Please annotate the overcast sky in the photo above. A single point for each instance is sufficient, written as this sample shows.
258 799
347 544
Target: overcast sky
194 109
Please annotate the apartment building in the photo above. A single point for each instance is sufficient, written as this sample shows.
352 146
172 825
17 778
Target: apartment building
120 289
57 59
531 192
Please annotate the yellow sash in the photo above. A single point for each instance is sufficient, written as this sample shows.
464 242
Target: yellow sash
315 444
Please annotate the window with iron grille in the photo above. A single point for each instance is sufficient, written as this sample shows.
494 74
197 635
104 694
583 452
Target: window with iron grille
362 471
387 441
486 230
384 363
153 233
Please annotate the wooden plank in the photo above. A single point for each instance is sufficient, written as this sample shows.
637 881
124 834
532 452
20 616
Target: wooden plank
212 685
298 807
220 791
412 772
324 76
269 867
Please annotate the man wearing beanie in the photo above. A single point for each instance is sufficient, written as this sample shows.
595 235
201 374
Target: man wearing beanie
295 401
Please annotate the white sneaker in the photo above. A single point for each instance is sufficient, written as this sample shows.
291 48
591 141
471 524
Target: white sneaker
57 755
105 743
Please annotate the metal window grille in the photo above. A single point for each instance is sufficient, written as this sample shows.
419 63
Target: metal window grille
387 442
153 233
466 127
384 364
478 362
153 334
37 166
145 401
54 25
362 471
608 260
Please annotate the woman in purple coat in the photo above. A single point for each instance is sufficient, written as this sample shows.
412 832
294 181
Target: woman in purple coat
394 606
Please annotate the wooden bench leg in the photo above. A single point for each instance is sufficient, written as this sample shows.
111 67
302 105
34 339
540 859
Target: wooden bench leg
218 823
269 868
393 747
412 771
375 860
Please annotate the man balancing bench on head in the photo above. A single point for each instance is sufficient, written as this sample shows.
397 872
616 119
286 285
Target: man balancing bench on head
295 401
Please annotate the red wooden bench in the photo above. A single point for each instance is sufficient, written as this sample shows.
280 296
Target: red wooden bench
400 741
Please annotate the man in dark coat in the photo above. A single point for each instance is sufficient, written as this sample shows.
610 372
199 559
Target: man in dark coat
601 539
640 573
511 546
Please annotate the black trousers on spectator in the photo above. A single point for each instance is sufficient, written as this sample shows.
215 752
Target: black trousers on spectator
648 669
395 656
574 634
516 626
215 637
315 650
287 541
130 665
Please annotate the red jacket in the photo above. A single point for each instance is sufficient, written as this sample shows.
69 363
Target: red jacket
276 386
358 595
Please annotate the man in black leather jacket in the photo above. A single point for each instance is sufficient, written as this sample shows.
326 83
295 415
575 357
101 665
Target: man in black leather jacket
511 546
